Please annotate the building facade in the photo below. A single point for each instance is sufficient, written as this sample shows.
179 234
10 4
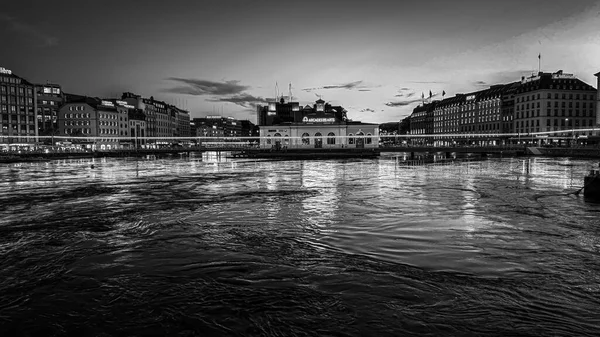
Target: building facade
18 105
543 103
554 102
50 98
104 122
288 125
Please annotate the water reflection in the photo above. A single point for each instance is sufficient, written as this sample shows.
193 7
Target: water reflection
281 245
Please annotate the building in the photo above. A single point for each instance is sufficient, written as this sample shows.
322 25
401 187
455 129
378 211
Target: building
318 126
217 126
249 129
104 122
554 102
137 127
17 112
180 121
163 121
542 103
50 98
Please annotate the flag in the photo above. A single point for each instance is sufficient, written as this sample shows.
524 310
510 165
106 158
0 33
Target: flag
540 56
443 93
429 93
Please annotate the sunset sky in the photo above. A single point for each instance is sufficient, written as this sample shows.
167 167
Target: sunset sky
375 58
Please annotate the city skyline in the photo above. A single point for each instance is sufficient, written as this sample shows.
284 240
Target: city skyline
376 60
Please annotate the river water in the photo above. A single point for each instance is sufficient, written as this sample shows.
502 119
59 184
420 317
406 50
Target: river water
298 248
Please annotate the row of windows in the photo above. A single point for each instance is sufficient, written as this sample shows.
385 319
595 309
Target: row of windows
76 123
14 100
23 127
7 79
555 112
13 109
77 116
556 96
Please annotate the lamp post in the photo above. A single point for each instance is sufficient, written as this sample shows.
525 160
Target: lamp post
567 127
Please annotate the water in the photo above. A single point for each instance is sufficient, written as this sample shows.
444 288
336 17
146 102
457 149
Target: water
298 248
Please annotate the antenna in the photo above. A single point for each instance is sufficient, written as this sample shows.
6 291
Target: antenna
290 91
276 91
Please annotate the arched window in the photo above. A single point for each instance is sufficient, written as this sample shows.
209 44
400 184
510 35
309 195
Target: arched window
331 138
350 139
305 139
368 138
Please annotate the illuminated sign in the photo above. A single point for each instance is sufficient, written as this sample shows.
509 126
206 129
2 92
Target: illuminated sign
318 120
121 102
470 97
214 117
5 71
272 107
129 106
107 103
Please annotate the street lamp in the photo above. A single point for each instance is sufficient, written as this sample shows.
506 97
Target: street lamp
567 125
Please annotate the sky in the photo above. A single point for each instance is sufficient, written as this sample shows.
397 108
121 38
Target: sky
223 57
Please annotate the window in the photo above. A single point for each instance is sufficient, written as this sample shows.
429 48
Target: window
305 139
350 139
369 140
331 138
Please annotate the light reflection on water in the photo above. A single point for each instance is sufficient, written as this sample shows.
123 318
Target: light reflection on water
363 246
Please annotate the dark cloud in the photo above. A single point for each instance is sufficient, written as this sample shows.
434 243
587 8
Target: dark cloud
367 110
349 86
404 89
244 100
199 87
480 83
28 30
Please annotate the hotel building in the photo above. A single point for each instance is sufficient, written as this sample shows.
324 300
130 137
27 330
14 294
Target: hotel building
553 102
318 126
17 112
544 102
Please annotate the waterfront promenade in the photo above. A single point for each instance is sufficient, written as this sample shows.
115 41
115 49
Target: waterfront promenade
307 153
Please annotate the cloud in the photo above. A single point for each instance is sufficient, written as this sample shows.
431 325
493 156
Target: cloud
407 95
428 82
367 110
409 101
480 83
402 103
199 87
28 30
244 100
348 86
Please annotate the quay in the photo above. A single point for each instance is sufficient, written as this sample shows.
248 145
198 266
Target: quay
413 152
